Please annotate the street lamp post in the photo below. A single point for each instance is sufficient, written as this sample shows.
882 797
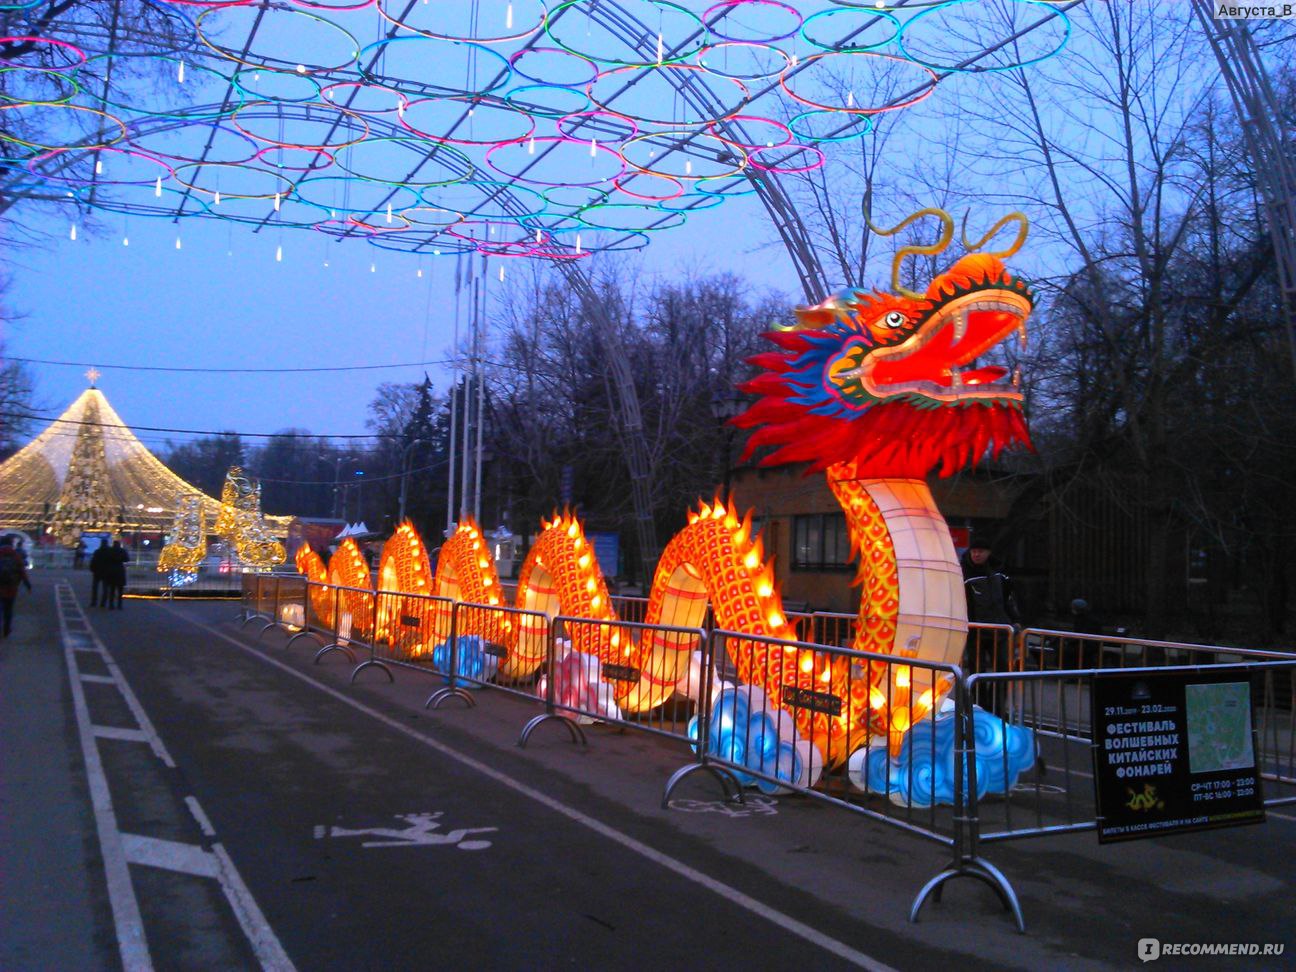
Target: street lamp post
405 454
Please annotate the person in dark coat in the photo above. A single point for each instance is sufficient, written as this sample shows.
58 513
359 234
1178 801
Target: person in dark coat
115 574
989 601
98 567
13 571
78 555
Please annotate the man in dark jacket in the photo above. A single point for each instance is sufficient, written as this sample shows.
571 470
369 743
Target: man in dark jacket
13 571
115 574
989 601
98 566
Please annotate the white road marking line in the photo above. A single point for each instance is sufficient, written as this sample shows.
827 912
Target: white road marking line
203 823
169 855
732 894
98 679
116 732
175 855
121 894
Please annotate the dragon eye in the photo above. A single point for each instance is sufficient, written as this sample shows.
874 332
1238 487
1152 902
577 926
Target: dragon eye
894 319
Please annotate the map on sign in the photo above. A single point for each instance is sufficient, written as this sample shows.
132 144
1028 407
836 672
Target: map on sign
1219 726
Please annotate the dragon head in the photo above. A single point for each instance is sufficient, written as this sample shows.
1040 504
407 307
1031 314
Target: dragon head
890 383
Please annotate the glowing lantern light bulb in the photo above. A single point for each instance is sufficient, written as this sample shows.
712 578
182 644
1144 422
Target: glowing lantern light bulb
751 561
157 187
661 47
98 166
279 253
508 17
578 248
807 664
301 68
501 275
125 241
688 166
420 273
178 243
72 233
180 73
902 676
876 699
593 147
775 619
278 199
373 268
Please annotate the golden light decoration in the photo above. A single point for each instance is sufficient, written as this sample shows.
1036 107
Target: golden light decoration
311 566
186 545
349 569
413 624
242 526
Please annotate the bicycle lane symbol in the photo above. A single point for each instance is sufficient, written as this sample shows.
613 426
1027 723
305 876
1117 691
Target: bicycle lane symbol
420 830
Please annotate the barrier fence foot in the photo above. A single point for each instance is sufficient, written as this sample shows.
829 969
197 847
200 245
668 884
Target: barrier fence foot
982 871
733 790
251 616
573 729
319 655
372 663
449 692
272 624
300 634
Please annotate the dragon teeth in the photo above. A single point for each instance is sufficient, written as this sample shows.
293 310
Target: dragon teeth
956 378
1021 335
960 327
1016 377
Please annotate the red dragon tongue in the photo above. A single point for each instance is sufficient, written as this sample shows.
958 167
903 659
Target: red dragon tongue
984 376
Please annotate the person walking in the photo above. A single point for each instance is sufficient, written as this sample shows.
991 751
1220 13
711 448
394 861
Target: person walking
98 567
115 574
13 571
990 600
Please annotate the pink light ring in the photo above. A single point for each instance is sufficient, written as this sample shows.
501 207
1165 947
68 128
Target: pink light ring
511 35
558 139
582 82
420 244
922 95
335 93
486 248
451 140
417 220
331 147
209 3
191 182
754 119
352 45
252 144
788 169
619 183
725 7
711 51
739 162
55 45
314 153
564 124
345 6
33 162
105 124
671 122
393 227
514 233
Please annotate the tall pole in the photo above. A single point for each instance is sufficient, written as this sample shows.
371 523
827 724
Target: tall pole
464 507
478 368
454 398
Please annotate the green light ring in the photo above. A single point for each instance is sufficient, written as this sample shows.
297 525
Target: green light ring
553 204
266 65
547 112
853 49
283 192
654 200
516 191
401 98
711 48
584 216
454 140
502 39
253 145
694 136
185 115
866 120
365 73
628 241
6 137
922 95
333 147
237 81
349 210
666 4
749 146
580 144
976 69
668 122
104 201
459 217
702 188
432 146
696 204
261 158
427 246
99 179
76 88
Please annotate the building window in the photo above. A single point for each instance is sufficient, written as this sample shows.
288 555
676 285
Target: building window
820 542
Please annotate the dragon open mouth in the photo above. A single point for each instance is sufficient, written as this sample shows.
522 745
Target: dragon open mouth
933 361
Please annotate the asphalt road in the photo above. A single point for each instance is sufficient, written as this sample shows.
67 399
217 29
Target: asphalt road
263 812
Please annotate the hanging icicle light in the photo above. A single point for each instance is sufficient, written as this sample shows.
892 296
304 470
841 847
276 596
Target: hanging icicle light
178 243
593 147
661 48
98 166
277 200
531 146
508 17
180 73
216 201
501 273
389 213
72 232
688 166
157 187
279 253
578 249
373 268
125 241
420 272
539 237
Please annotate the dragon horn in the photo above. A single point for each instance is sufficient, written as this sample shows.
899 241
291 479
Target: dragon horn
947 234
1022 230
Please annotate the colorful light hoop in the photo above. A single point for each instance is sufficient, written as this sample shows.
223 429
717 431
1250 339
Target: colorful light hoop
265 139
787 169
702 187
253 145
513 97
620 187
501 39
402 100
236 80
54 44
690 136
976 69
922 95
692 202
456 140
562 125
432 246
711 49
724 7
700 29
259 157
284 190
443 91
757 119
588 212
45 73
100 179
346 207
866 121
21 6
519 55
121 135
353 45
497 187
103 201
191 114
459 217
335 7
432 149
404 227
669 122
551 199
876 13
557 140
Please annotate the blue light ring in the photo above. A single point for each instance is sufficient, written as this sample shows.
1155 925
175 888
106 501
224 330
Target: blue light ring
975 69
